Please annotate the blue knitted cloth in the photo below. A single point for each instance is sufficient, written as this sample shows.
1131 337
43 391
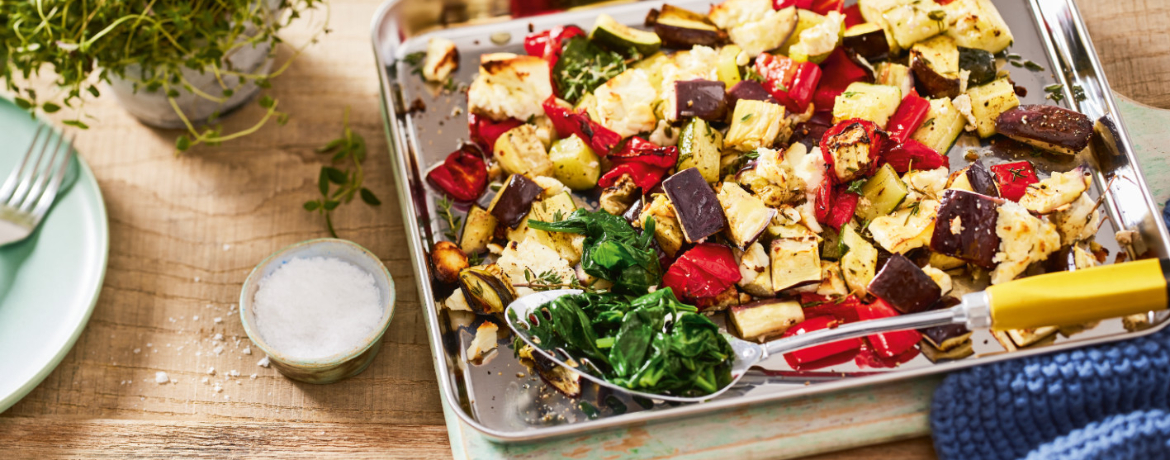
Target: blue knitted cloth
1106 402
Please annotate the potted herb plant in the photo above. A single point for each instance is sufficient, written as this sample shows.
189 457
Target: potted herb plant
170 63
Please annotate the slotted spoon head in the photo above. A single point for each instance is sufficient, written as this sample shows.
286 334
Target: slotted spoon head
747 354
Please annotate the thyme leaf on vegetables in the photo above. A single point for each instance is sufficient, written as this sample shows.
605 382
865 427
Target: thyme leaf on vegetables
614 250
339 185
583 66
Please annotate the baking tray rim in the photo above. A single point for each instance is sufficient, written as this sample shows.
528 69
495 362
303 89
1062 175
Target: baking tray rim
398 152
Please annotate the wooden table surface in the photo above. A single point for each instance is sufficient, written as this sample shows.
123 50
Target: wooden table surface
185 231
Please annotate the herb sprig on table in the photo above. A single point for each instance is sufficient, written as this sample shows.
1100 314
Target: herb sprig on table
348 150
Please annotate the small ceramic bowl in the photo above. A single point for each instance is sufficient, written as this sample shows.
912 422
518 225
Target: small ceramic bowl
342 365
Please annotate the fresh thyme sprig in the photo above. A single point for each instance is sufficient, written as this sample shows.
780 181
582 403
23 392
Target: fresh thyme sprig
549 280
444 205
350 150
583 66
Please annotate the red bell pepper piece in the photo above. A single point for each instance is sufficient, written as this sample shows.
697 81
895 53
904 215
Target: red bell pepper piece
910 115
842 308
790 82
913 154
567 121
805 356
877 140
548 44
643 160
844 205
824 203
484 132
838 72
1013 179
887 344
853 15
705 271
462 176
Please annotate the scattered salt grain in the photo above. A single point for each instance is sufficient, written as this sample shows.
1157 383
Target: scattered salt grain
317 307
217 337
196 279
218 350
148 344
160 377
234 373
247 350
253 376
263 362
137 350
218 320
211 371
227 247
227 397
206 380
196 317
218 388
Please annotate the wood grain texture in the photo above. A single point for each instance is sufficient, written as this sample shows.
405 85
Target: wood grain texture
185 231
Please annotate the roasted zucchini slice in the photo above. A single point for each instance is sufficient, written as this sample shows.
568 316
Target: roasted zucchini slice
621 38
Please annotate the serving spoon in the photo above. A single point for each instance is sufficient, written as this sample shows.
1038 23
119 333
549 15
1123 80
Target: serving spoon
1054 299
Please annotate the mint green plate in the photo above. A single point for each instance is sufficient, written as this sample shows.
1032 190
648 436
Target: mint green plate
49 282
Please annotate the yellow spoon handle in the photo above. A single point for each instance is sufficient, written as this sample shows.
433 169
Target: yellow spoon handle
1067 298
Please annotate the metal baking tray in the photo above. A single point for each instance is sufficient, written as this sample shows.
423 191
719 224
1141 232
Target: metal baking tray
499 399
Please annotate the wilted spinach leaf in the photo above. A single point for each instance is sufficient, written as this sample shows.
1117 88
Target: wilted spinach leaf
614 251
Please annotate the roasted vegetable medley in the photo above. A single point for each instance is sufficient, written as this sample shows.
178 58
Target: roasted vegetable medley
779 166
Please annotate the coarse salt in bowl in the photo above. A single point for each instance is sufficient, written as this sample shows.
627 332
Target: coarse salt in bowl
319 309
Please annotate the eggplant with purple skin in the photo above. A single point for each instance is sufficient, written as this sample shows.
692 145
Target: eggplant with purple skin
867 40
750 90
950 336
981 180
766 318
514 201
695 204
486 289
904 286
680 28
1048 127
935 63
965 228
699 98
747 216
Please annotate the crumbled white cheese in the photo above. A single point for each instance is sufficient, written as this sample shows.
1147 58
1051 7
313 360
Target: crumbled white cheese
457 301
1079 222
442 58
928 183
822 38
1023 239
753 24
962 103
625 103
941 278
510 86
1054 192
534 256
484 341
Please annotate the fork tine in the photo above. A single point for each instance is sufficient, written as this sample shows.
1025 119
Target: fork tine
50 193
14 176
27 178
41 180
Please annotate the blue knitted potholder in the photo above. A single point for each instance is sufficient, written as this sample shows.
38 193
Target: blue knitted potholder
1106 402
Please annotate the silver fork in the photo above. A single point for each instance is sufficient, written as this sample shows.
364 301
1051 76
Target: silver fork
30 189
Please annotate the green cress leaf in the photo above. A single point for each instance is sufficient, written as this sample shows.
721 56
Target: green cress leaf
369 197
50 107
312 205
182 143
23 103
323 182
335 175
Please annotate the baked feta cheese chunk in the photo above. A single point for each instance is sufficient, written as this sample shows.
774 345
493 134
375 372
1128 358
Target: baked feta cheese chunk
1079 222
924 184
442 59
774 178
534 257
753 25
625 103
1023 240
905 229
509 86
1054 192
484 341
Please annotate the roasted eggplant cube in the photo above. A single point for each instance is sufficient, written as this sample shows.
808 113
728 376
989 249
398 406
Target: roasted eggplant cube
904 286
1048 127
936 66
750 90
768 318
700 98
981 180
980 64
747 216
965 228
795 262
514 201
695 204
868 40
478 228
946 337
681 28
